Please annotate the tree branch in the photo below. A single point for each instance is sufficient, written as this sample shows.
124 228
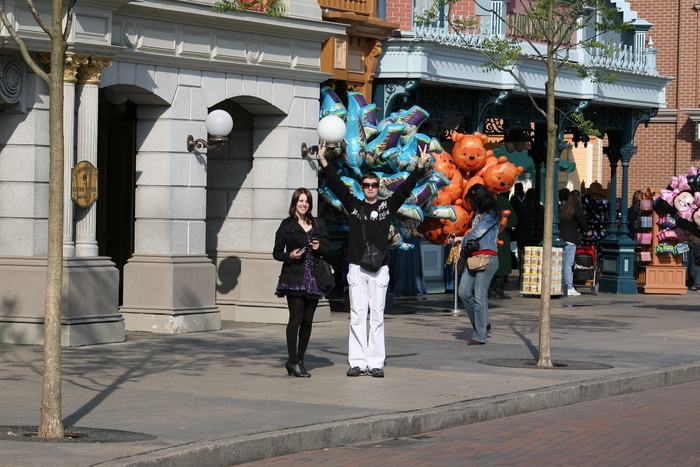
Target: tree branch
22 47
40 22
69 19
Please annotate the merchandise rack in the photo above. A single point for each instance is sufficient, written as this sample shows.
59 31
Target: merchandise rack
665 273
531 271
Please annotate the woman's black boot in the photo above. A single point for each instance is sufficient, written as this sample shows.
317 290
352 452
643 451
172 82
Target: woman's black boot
296 370
303 368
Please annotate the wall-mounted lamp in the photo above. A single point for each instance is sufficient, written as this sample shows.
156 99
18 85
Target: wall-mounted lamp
331 129
516 140
219 124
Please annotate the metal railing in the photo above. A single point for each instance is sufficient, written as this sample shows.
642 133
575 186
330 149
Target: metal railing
445 35
624 58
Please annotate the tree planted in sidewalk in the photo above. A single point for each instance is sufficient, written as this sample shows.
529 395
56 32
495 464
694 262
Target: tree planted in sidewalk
51 424
550 30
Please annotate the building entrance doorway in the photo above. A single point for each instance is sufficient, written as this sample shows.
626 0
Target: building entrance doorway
116 162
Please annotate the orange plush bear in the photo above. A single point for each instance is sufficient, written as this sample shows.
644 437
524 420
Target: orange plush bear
452 193
437 230
469 152
500 177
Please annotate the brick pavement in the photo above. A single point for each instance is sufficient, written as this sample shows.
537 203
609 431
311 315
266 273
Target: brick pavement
659 427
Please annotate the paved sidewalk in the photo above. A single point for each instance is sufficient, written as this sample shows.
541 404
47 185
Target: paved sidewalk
221 398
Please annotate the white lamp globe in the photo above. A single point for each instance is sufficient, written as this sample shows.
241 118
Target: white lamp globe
219 123
331 129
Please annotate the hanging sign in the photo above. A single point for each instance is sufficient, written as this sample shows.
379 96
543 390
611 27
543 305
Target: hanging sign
84 184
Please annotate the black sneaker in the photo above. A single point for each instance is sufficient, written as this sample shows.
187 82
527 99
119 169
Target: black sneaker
377 372
355 371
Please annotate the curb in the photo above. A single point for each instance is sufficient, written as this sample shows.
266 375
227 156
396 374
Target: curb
249 448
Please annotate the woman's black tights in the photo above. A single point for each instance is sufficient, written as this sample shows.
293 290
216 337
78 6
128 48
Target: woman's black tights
301 316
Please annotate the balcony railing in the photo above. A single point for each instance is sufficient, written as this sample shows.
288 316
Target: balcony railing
626 58
442 33
362 7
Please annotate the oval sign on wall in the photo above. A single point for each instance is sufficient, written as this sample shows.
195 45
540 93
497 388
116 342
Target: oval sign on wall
84 184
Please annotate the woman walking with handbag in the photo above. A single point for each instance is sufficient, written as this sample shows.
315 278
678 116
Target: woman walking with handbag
300 242
482 262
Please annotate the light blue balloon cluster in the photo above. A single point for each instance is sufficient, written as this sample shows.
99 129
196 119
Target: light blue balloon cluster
390 148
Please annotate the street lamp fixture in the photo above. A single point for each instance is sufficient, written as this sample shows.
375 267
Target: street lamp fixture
516 140
219 124
331 129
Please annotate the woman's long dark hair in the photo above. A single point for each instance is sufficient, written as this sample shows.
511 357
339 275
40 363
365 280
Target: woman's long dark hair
566 211
482 200
293 206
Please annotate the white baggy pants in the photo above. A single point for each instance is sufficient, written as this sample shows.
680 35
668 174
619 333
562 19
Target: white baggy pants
367 293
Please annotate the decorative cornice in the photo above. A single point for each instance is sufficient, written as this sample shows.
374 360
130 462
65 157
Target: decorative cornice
90 73
73 62
666 116
694 114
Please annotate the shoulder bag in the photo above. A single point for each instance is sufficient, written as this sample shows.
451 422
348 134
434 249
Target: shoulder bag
469 247
323 272
372 257
478 262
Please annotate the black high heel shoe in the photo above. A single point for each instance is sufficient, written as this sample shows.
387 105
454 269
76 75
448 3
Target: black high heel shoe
303 368
296 370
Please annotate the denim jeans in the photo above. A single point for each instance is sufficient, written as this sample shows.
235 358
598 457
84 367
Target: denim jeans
567 269
474 293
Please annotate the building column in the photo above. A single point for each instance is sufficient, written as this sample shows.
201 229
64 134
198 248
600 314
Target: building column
89 80
73 62
89 313
169 282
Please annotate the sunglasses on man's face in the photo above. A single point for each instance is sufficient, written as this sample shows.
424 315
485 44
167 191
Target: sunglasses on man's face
370 185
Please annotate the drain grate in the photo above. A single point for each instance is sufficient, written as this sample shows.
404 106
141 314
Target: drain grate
73 434
531 363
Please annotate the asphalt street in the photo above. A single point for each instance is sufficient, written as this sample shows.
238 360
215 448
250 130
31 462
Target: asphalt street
659 427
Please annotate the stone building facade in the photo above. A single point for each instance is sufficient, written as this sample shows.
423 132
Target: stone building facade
177 240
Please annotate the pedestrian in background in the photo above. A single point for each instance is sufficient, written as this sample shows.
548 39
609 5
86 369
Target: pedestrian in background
530 217
518 196
505 264
571 223
300 241
634 210
474 284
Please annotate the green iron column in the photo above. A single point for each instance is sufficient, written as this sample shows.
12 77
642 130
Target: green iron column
617 248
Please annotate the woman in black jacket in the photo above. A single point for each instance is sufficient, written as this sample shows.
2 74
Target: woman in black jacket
299 242
571 222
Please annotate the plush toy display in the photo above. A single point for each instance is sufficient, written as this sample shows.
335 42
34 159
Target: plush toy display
390 148
679 207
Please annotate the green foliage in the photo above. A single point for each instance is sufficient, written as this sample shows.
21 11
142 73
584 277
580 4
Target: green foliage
434 13
269 7
502 53
583 125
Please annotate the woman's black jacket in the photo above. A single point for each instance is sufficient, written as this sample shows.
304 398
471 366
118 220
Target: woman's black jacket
291 236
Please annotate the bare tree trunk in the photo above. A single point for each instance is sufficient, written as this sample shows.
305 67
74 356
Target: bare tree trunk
51 425
545 358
